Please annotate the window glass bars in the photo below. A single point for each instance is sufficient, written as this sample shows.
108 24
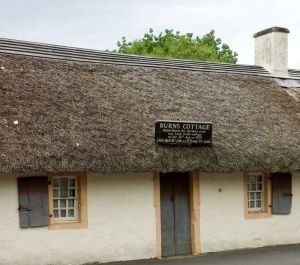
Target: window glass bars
255 193
65 199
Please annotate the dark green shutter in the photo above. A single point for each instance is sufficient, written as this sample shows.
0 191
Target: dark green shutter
281 193
33 202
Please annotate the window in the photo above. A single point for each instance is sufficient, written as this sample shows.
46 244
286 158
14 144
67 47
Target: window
257 195
65 199
68 201
58 201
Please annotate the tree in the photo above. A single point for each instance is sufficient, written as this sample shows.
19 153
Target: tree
181 46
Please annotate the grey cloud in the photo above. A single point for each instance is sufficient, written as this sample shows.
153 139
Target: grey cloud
100 24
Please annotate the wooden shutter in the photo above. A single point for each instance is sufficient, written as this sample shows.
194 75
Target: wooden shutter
281 193
33 202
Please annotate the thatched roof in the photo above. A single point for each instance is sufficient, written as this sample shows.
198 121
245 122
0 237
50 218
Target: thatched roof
58 115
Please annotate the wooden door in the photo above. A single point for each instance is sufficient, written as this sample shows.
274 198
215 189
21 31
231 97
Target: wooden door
175 214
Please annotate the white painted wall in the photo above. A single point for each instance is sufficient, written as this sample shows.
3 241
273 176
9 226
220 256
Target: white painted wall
121 225
121 222
222 222
271 52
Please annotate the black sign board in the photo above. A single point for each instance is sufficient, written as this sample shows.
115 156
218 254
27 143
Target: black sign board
183 132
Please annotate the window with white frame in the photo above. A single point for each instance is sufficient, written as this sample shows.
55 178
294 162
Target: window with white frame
65 198
255 192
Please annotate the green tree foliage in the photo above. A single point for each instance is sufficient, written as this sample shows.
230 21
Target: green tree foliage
181 46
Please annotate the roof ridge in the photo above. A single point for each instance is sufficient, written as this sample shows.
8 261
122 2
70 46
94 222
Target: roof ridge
294 73
11 46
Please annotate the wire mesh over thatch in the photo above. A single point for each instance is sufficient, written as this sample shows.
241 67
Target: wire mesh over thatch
68 116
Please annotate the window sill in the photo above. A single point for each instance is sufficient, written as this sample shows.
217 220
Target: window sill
73 225
257 215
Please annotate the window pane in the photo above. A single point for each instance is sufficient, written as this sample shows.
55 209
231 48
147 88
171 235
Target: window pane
72 193
71 213
63 213
259 178
252 197
251 179
56 193
258 204
63 183
63 193
63 203
258 195
259 186
55 183
55 212
55 203
252 204
70 203
72 183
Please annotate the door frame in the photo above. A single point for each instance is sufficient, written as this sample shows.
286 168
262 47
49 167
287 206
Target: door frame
194 183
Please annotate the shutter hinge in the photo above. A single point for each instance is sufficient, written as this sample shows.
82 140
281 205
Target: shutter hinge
26 209
270 205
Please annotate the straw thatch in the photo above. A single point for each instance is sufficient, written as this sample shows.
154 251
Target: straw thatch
64 116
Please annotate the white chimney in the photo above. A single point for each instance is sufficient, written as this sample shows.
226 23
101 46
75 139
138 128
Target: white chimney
271 50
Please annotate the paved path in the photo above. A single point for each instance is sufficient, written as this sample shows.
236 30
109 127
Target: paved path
280 255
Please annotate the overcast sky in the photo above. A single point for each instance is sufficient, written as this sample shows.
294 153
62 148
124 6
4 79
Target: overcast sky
99 24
